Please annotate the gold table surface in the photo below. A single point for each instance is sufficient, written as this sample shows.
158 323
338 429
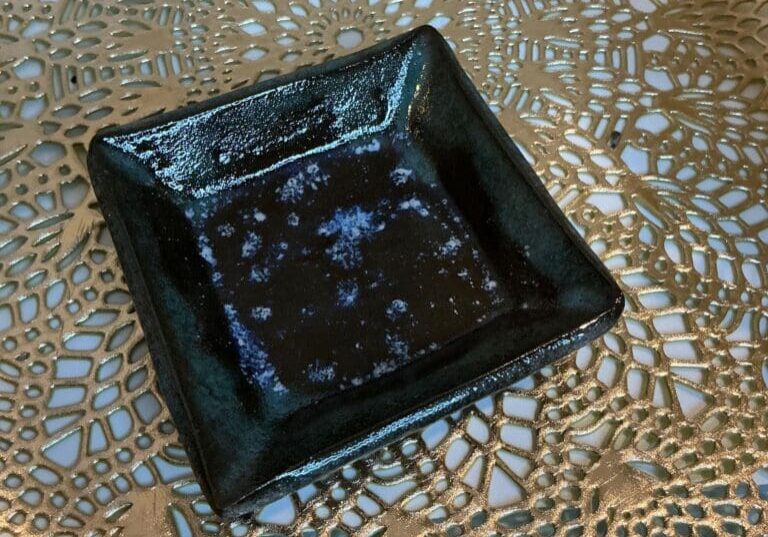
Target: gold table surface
647 121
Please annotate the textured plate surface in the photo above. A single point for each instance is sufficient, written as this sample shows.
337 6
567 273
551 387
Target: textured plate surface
645 119
327 260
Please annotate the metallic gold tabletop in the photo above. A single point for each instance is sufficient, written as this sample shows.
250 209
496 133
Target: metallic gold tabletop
646 119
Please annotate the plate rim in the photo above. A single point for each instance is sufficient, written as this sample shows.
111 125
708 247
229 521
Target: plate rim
398 426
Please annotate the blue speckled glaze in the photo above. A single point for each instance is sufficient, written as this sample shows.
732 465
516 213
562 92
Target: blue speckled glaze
329 259
333 223
350 228
348 291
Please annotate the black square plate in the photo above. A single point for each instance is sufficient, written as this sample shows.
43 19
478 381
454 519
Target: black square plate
326 260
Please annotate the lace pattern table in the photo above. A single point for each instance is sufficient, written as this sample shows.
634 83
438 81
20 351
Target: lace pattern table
646 119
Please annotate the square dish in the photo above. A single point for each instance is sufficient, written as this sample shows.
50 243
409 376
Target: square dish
329 259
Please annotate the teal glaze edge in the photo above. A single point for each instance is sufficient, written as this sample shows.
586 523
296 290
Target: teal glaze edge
166 377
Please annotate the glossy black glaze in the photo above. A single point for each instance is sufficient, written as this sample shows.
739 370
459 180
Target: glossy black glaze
326 260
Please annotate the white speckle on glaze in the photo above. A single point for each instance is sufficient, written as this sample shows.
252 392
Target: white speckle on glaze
297 185
259 216
259 274
350 227
278 251
371 147
318 372
293 219
347 292
396 308
226 230
250 245
414 204
400 176
384 367
489 284
450 247
206 252
396 346
261 313
254 360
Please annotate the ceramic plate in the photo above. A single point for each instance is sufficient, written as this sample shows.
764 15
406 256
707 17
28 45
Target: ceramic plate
329 259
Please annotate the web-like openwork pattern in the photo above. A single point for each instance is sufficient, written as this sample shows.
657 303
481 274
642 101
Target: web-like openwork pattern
647 121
